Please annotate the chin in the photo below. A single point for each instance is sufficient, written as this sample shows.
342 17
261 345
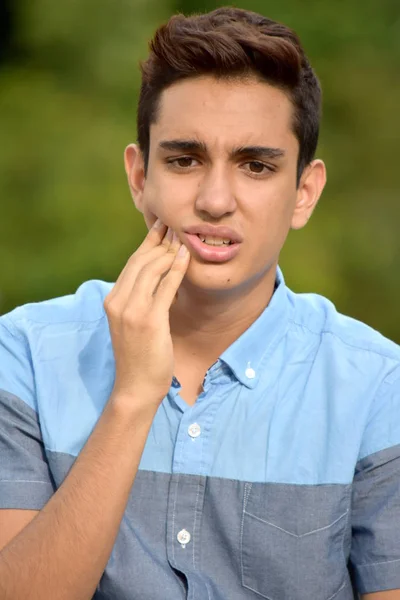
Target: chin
212 277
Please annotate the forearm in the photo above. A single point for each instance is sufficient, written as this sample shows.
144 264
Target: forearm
63 552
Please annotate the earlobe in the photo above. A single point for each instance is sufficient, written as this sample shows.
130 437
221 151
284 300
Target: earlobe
311 185
134 168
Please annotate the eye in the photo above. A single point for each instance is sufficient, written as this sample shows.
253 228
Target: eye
182 162
258 168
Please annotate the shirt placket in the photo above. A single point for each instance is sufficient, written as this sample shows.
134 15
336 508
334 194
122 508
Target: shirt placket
186 490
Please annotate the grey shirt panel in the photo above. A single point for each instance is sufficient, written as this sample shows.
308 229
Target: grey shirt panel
25 478
247 540
375 521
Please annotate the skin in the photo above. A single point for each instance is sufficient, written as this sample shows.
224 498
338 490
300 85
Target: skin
257 196
389 595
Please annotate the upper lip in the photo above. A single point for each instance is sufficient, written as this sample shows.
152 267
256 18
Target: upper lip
226 233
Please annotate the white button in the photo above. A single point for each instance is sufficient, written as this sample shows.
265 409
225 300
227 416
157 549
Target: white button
183 537
250 373
194 430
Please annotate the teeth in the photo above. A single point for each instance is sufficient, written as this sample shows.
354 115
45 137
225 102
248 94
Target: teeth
214 241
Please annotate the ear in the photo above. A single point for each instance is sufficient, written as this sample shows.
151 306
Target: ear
134 168
312 182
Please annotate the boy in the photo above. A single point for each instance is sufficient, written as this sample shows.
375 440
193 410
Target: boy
197 430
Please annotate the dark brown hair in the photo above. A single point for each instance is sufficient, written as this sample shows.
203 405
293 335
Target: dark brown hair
231 43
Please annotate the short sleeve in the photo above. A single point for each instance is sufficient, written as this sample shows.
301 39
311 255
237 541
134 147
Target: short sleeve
25 479
375 553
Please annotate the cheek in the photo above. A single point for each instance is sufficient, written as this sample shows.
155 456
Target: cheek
282 203
162 200
153 203
155 206
271 222
274 210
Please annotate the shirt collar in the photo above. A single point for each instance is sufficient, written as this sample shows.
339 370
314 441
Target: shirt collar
245 356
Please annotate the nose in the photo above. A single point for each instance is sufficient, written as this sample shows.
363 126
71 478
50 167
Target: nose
215 195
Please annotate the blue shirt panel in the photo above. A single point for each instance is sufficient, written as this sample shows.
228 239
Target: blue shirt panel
303 378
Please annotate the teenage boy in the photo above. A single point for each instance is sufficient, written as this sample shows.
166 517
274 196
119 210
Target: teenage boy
197 430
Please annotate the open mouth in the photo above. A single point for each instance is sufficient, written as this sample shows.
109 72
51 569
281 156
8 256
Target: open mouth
211 248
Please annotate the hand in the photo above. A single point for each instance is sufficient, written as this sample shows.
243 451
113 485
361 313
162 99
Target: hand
137 309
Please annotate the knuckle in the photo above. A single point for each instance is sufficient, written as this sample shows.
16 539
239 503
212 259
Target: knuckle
108 298
110 306
173 249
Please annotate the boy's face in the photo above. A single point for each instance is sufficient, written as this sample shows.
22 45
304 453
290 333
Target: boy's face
224 178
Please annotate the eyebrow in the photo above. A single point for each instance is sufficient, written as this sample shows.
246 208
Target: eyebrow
237 152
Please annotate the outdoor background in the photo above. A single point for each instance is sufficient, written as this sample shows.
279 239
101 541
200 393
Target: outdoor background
69 82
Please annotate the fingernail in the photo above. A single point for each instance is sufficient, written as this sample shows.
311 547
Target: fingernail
170 234
175 238
158 224
182 251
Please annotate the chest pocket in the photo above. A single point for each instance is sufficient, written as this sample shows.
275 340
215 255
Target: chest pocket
292 541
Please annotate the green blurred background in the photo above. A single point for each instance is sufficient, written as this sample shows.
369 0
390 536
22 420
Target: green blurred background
69 82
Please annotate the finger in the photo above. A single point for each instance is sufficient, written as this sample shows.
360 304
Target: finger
170 284
168 238
139 259
123 286
174 247
154 237
149 278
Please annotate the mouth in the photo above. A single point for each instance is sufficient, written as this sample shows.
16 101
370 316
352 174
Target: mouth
212 248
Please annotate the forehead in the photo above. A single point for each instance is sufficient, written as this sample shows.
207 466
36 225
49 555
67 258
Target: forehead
225 113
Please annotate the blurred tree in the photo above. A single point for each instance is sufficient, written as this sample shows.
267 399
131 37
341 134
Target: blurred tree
6 29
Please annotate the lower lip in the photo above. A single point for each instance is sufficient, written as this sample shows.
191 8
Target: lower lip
217 254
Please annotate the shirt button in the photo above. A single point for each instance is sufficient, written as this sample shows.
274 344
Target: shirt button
194 430
183 537
250 373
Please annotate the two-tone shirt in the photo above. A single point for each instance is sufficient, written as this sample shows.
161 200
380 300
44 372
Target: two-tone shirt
282 481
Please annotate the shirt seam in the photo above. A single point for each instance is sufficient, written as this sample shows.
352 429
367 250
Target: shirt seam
24 481
50 323
344 341
383 562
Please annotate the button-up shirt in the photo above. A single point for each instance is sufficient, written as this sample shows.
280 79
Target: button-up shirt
281 481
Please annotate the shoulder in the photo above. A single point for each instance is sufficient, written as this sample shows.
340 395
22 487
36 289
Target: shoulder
352 365
85 305
318 317
58 326
49 344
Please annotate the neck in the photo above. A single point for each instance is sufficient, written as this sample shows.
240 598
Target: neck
204 324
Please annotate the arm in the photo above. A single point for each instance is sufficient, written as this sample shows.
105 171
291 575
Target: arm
389 595
61 554
12 522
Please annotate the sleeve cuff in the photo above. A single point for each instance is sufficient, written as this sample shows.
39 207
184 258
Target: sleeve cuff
378 577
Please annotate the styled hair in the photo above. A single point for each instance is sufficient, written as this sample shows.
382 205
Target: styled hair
231 43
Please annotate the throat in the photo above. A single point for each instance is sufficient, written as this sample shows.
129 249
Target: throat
191 381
